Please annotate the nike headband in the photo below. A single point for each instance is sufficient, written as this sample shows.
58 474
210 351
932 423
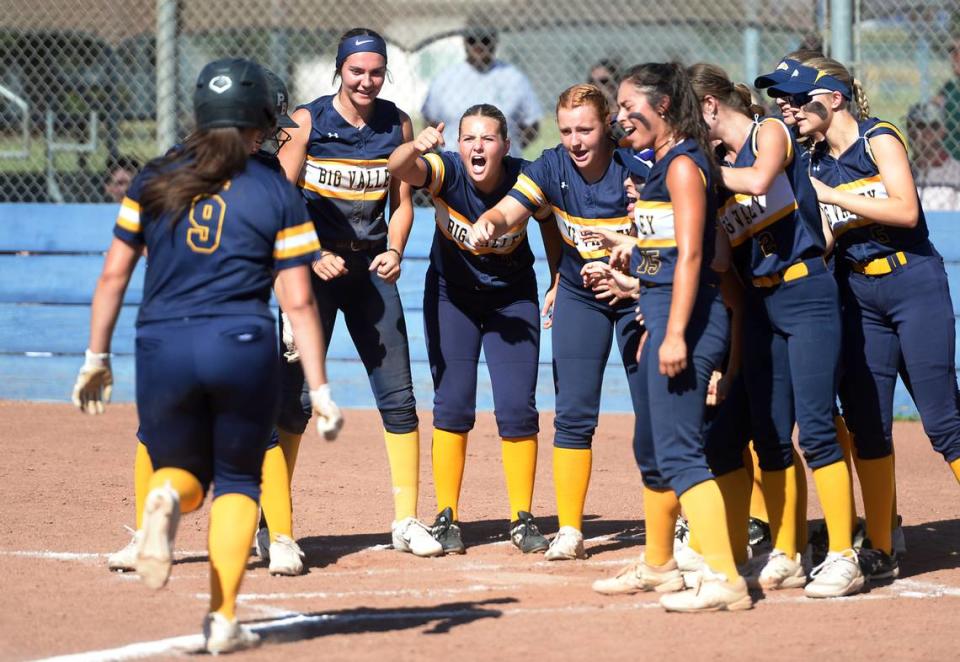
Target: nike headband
364 43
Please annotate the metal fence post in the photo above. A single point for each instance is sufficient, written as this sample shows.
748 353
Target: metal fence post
167 14
841 30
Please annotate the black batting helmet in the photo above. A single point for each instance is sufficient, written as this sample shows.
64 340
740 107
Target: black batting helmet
281 100
233 92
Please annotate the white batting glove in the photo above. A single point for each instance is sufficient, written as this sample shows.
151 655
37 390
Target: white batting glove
94 383
329 418
291 353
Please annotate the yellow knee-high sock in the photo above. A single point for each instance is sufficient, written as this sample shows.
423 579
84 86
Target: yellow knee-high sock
692 541
571 478
876 478
233 522
836 500
403 452
955 467
800 480
520 471
845 438
894 512
735 488
780 495
660 512
275 494
290 444
183 482
703 505
142 471
449 458
758 507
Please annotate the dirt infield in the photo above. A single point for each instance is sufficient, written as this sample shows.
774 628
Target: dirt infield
66 492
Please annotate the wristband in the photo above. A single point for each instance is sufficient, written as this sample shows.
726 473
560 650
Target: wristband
399 254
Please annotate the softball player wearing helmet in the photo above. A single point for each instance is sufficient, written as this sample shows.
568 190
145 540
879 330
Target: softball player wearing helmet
477 297
217 225
896 300
583 185
286 557
338 158
792 312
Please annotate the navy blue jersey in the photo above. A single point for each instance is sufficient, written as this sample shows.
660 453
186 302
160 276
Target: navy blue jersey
860 239
507 261
655 256
782 226
555 183
344 178
220 257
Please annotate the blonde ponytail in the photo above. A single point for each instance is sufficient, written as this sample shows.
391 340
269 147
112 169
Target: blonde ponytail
860 97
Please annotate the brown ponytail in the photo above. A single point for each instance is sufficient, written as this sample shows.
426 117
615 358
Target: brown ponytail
709 79
200 168
746 98
860 97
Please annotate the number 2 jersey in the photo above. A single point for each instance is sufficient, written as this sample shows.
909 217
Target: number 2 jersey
507 261
221 255
860 239
655 255
554 182
780 227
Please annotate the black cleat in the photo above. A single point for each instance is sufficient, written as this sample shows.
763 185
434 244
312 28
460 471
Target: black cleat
758 532
447 532
819 542
525 534
876 564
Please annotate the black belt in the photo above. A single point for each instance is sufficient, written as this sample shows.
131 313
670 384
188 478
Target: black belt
353 245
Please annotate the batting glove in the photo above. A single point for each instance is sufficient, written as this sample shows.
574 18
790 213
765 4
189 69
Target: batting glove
291 353
94 383
329 418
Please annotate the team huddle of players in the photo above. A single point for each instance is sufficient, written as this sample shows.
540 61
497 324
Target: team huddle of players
754 271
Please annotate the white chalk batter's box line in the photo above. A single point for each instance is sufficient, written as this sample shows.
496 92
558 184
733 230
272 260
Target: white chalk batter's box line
288 622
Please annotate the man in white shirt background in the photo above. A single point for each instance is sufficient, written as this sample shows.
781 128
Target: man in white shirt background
482 78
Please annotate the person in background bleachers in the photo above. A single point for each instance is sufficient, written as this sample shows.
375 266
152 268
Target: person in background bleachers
935 171
949 99
482 78
605 74
120 172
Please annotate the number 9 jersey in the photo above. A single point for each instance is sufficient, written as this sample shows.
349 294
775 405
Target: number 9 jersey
220 255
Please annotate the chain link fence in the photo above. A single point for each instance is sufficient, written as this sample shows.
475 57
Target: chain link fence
88 85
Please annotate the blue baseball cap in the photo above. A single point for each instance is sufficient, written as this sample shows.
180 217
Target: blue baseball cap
637 163
778 75
803 79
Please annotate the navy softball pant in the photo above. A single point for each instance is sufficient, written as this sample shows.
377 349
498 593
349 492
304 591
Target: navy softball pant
583 329
207 396
374 317
669 447
505 322
792 338
905 314
728 430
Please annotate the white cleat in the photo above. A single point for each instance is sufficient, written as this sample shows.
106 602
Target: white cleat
161 515
780 571
221 635
640 577
286 557
712 592
125 560
567 545
837 576
412 535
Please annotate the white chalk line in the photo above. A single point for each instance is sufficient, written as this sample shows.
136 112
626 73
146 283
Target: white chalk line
291 621
51 555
